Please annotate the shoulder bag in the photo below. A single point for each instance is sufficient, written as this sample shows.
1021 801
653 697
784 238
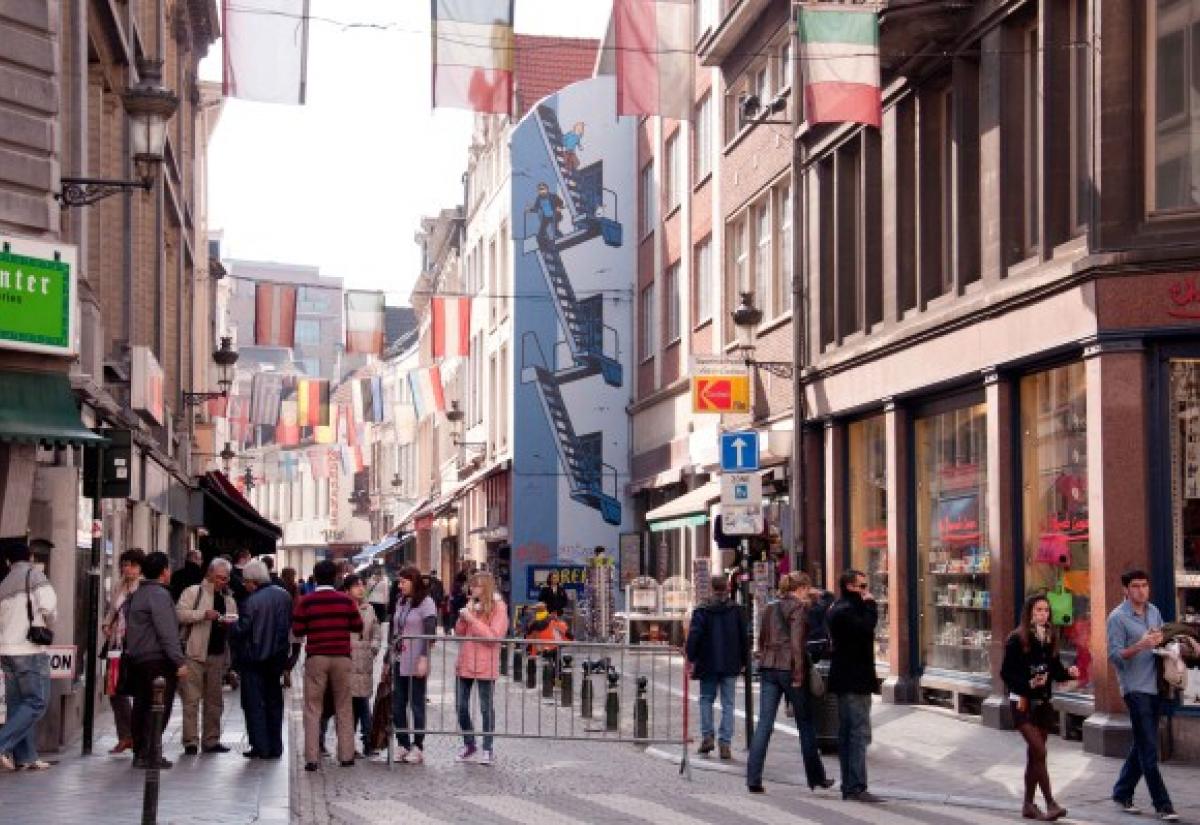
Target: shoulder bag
36 635
816 682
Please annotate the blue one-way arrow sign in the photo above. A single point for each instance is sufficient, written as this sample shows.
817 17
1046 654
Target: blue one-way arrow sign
739 452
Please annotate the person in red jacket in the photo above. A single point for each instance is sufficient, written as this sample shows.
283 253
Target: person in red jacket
485 616
327 617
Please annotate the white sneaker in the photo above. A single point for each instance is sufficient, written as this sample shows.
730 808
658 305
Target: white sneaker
486 757
466 753
400 754
415 757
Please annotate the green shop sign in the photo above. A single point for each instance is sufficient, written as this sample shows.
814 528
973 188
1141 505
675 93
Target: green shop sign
37 296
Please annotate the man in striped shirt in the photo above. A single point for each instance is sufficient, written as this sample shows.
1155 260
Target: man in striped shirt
327 618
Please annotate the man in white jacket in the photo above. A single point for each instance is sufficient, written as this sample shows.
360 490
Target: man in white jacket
26 599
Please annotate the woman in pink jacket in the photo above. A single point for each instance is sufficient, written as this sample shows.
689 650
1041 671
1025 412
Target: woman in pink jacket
484 617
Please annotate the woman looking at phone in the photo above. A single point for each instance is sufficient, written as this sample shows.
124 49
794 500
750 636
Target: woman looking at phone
484 617
1031 666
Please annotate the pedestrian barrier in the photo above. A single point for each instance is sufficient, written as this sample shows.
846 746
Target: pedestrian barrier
640 683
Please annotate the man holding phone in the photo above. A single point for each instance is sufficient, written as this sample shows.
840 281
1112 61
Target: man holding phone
206 611
1134 630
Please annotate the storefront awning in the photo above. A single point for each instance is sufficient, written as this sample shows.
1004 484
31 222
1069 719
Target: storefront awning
689 510
229 516
39 408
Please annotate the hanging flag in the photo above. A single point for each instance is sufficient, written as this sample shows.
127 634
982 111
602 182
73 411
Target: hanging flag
274 315
287 431
451 326
265 45
364 323
426 386
472 55
367 400
266 396
312 396
327 433
318 462
655 57
840 49
377 406
289 462
218 407
239 417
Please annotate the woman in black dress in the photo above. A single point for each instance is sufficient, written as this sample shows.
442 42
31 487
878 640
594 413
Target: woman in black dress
1031 665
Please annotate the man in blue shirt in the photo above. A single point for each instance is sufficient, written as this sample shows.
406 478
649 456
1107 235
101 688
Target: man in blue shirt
263 645
1134 629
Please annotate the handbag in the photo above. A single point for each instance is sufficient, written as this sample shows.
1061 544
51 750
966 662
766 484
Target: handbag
36 635
816 682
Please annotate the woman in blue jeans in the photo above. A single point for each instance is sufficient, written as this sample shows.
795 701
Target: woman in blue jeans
783 671
415 615
485 617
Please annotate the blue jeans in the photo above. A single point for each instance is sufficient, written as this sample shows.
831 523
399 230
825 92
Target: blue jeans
854 734
708 694
262 703
27 691
486 709
408 691
775 684
1145 709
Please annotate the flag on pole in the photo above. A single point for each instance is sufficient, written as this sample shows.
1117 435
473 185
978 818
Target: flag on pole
364 322
655 57
287 432
473 55
367 400
288 464
265 44
451 326
274 315
239 417
426 386
840 49
318 462
312 397
266 396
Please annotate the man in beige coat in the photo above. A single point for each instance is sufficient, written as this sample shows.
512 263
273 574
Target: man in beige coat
206 611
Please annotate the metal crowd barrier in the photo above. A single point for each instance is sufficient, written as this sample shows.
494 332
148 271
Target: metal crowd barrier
576 691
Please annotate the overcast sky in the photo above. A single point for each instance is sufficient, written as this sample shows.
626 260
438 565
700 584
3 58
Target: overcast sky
343 182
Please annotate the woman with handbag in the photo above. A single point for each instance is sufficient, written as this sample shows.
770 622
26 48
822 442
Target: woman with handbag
114 640
783 667
1031 665
415 615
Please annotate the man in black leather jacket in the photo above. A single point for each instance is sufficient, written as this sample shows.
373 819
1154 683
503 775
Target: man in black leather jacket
852 679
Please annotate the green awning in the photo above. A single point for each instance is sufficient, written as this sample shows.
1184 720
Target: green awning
39 408
675 523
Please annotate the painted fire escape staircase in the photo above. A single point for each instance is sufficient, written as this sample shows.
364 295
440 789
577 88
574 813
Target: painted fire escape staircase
592 482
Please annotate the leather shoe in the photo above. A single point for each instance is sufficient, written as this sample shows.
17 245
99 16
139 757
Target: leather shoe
824 784
865 796
190 750
217 748
253 754
756 789
122 746
311 766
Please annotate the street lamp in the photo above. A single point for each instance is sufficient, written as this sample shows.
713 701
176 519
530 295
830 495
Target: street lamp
455 416
224 357
746 319
149 106
227 456
248 479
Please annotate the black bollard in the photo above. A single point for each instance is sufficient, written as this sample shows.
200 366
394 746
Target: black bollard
531 672
517 662
586 690
612 703
153 755
504 659
548 675
641 711
567 689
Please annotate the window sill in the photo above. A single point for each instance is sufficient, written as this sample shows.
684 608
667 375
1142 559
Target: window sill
647 235
1031 262
775 323
674 342
700 184
705 322
672 212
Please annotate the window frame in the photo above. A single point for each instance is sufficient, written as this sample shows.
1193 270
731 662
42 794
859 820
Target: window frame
673 170
672 315
646 328
702 282
702 139
648 211
1191 49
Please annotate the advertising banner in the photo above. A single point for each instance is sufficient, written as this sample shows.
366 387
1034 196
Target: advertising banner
38 301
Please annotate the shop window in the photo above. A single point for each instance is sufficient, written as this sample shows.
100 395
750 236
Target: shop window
868 516
1054 503
1185 487
954 561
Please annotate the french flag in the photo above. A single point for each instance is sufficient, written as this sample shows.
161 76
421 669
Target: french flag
451 320
427 393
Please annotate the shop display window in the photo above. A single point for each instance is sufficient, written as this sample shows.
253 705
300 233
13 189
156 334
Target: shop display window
954 560
1185 487
868 516
1055 506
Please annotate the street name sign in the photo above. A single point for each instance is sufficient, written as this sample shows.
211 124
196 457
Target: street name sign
739 451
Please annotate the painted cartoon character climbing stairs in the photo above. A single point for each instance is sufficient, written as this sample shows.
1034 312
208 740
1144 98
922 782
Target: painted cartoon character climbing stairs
590 345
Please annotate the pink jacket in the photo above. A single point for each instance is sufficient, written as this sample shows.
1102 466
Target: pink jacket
481 660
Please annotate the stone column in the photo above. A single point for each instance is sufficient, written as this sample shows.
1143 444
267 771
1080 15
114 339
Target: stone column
901 685
1006 557
835 501
1118 485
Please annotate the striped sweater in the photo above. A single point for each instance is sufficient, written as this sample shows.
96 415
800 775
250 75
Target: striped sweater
327 617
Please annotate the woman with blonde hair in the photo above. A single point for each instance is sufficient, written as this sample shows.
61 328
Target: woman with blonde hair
484 617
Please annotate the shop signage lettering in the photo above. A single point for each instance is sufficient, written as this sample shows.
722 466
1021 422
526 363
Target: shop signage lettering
1185 298
571 577
874 537
1067 525
333 535
37 293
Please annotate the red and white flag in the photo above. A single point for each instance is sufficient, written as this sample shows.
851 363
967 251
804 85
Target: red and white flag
274 315
655 57
451 322
265 50
364 323
473 55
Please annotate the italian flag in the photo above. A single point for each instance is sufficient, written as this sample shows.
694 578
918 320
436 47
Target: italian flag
473 54
840 50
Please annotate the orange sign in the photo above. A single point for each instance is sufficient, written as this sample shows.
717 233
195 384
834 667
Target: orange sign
720 393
